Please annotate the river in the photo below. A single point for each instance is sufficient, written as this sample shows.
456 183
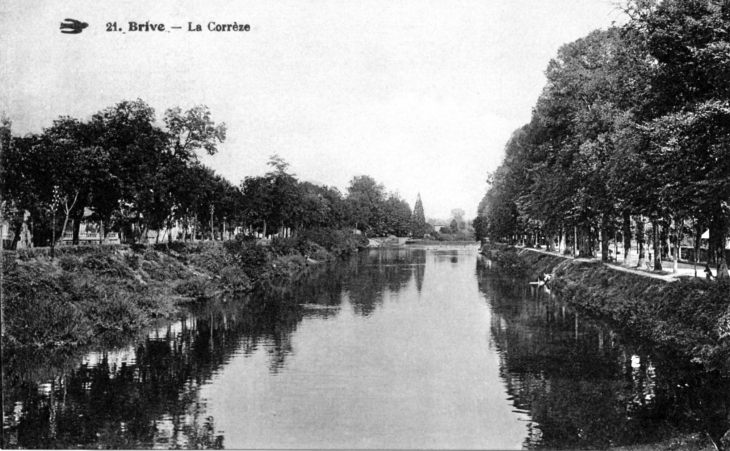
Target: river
391 349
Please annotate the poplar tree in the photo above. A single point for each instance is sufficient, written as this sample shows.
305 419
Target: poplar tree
419 220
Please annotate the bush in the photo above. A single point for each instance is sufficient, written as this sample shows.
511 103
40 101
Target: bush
510 262
287 246
44 320
252 258
115 310
338 242
235 279
213 257
69 263
106 265
197 287
132 260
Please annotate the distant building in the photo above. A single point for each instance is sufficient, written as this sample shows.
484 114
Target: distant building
437 224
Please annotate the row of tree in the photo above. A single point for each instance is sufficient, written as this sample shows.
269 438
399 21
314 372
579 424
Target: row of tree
632 131
279 203
136 175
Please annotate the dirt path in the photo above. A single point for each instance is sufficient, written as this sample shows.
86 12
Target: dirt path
683 270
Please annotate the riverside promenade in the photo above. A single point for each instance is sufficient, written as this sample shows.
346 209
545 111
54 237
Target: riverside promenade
667 273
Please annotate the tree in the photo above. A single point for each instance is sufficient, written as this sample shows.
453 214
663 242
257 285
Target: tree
691 155
481 227
364 199
396 216
80 171
257 194
688 131
191 131
458 215
454 226
284 195
419 219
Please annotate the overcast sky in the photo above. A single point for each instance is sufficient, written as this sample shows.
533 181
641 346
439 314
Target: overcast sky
421 95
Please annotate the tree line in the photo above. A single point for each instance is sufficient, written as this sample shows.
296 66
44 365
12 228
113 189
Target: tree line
135 174
630 139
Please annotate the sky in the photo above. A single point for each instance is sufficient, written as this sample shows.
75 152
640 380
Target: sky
420 95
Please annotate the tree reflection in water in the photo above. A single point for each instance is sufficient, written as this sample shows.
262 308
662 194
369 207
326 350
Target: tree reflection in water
582 384
587 386
145 393
379 271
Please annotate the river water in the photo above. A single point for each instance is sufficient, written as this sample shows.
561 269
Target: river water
391 349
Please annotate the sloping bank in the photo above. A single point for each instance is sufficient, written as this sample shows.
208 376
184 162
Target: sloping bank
689 315
93 292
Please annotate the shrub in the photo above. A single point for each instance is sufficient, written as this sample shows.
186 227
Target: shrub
213 257
107 265
253 260
287 246
510 262
132 260
44 320
235 279
197 287
115 310
69 263
338 242
37 311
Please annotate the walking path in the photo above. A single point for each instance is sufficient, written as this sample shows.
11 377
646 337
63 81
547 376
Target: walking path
683 269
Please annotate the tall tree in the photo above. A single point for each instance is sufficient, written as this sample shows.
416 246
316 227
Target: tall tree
365 197
193 130
419 219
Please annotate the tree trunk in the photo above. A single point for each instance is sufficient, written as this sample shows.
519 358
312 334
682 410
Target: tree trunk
185 228
656 245
697 243
604 238
53 235
195 227
677 243
640 241
18 230
76 231
718 239
626 236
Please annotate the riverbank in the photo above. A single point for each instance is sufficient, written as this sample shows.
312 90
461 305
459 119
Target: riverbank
91 292
690 315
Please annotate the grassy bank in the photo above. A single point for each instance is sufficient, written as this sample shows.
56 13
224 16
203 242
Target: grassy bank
88 293
689 315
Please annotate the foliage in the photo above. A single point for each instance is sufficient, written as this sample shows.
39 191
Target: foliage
419 219
633 122
510 262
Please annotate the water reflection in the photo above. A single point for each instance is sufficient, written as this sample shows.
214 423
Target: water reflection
587 386
146 394
367 353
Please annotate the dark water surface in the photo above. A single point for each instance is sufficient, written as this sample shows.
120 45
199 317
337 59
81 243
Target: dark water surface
392 349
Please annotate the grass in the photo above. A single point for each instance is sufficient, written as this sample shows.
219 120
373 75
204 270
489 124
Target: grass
91 291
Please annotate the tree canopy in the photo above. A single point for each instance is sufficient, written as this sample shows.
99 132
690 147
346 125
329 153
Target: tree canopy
632 124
